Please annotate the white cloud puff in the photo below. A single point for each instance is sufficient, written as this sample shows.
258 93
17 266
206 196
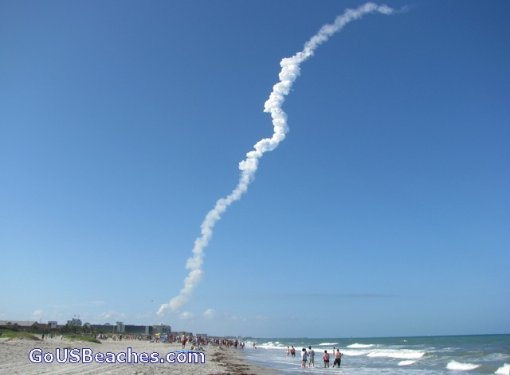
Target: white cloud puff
186 315
209 314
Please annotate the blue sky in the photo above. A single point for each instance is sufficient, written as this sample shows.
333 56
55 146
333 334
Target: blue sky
385 211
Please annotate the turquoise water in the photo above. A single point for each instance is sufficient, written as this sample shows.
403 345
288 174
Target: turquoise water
475 355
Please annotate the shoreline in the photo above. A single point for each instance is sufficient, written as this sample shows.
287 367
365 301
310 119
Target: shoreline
218 360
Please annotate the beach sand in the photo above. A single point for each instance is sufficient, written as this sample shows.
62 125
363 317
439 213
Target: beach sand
14 359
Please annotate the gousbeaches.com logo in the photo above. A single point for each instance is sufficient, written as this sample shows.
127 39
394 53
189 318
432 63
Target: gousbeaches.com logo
87 355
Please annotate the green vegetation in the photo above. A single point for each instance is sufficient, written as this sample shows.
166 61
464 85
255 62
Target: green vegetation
11 334
17 335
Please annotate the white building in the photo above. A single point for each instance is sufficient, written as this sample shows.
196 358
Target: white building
120 328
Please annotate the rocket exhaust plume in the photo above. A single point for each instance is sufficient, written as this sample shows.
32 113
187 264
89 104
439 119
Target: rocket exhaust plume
288 74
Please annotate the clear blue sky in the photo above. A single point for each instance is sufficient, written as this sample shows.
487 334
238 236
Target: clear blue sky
385 212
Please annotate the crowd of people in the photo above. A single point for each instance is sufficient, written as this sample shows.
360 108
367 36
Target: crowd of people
187 341
308 356
197 342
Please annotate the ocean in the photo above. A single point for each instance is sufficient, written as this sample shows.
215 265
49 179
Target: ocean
474 355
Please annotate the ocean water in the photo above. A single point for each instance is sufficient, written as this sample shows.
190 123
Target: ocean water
449 355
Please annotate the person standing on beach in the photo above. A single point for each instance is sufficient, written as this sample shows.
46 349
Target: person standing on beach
184 340
338 358
325 358
311 357
304 357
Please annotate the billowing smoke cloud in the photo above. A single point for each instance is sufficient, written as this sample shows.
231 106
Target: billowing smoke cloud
288 74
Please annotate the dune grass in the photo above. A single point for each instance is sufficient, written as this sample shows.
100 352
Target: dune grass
18 335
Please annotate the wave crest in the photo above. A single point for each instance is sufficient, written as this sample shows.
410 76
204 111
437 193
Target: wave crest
458 366
503 370
360 346
397 354
406 363
271 345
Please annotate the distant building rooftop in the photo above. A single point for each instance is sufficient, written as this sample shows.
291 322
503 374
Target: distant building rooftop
19 323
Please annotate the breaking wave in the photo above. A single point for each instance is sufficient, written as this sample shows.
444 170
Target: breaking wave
458 366
406 363
503 370
360 346
397 354
272 345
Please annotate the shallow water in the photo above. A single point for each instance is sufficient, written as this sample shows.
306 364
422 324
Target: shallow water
475 355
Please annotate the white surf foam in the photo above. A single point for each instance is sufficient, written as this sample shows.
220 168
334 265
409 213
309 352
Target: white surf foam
406 363
396 353
504 370
458 366
328 343
271 345
354 353
360 346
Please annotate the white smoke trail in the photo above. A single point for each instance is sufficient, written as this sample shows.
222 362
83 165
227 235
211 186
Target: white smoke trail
288 74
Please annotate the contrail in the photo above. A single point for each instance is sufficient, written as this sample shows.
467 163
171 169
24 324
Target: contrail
288 74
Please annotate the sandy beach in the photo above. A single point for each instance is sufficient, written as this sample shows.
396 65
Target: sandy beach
14 359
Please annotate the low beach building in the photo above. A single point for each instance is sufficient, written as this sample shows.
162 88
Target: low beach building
22 325
133 329
103 328
162 328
